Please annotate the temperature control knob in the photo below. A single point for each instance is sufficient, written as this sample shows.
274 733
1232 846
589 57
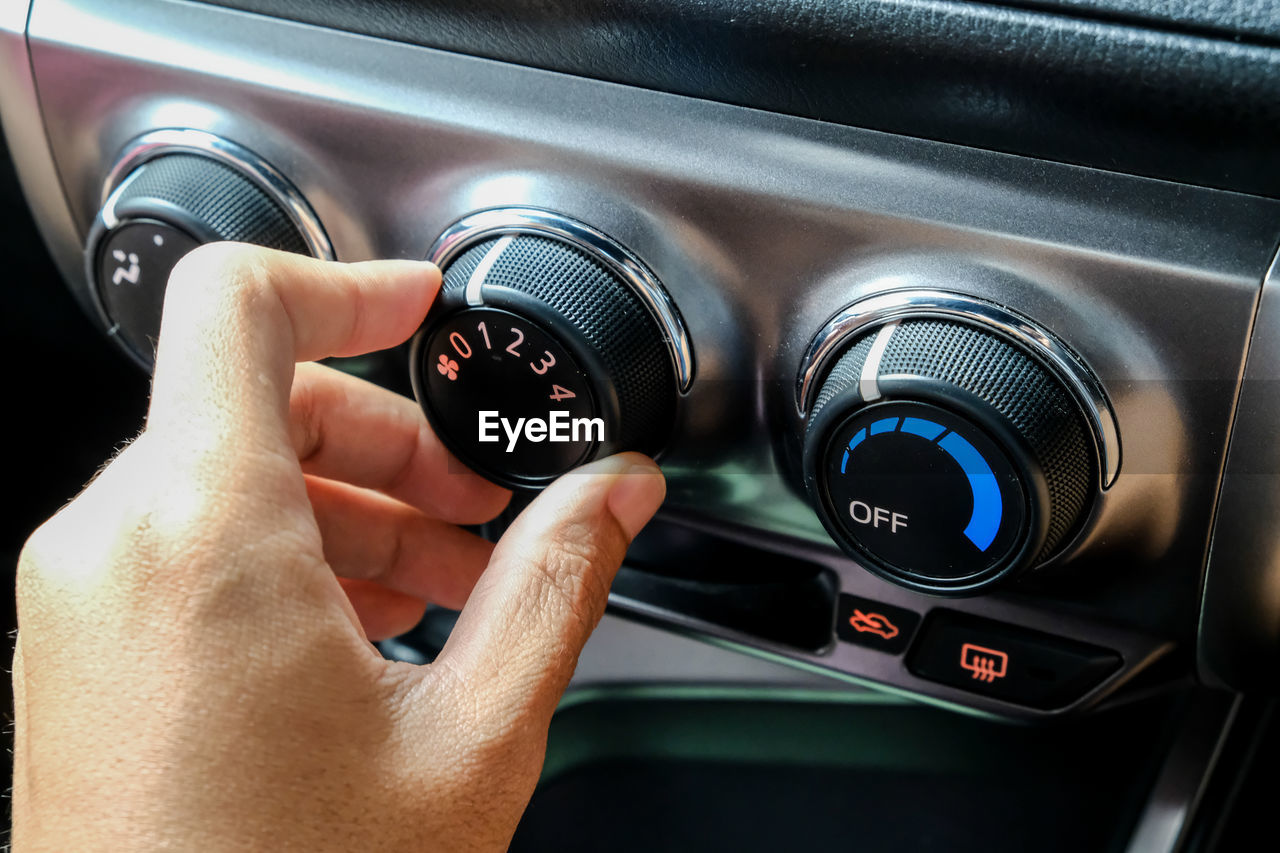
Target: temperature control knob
176 190
944 455
548 347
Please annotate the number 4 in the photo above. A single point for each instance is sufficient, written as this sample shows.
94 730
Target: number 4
558 393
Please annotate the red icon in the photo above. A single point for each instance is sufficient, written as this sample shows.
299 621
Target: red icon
985 664
447 367
873 623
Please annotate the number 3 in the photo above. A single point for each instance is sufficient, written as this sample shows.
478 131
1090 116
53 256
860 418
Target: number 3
547 364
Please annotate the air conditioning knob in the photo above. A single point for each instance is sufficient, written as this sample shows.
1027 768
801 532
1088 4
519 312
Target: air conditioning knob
177 190
944 456
549 346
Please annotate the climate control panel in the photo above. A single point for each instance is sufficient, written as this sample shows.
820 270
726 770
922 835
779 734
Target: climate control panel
875 369
947 445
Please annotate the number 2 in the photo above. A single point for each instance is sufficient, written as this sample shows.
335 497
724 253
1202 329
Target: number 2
517 342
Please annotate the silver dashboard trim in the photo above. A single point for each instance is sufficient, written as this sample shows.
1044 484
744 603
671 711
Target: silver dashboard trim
888 307
531 220
1178 791
155 143
26 138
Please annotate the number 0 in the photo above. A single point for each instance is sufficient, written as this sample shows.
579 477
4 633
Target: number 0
460 345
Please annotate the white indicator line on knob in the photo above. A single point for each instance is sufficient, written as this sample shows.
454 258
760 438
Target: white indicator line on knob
476 282
108 214
868 387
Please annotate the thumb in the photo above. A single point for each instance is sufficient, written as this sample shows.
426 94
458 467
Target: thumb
519 636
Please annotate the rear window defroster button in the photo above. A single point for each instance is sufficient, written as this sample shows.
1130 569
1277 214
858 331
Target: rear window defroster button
1006 662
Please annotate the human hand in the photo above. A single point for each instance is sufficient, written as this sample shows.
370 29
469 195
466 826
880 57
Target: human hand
193 670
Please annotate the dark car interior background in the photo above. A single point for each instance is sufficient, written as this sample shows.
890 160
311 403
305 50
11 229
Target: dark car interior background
953 325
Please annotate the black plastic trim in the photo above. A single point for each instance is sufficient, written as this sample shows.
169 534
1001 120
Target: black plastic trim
1191 95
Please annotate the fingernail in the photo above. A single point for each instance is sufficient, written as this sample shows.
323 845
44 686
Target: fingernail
636 495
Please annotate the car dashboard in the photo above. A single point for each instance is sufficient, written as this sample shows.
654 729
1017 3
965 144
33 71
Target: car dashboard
953 326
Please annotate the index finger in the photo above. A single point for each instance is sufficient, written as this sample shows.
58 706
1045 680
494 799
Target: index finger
236 320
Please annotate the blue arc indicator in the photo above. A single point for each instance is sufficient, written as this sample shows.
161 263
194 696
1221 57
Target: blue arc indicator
988 506
922 428
857 439
884 425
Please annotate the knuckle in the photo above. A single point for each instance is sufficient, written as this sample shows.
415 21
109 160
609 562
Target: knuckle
226 262
208 567
222 273
78 554
107 517
38 552
399 550
357 316
407 453
574 573
305 422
